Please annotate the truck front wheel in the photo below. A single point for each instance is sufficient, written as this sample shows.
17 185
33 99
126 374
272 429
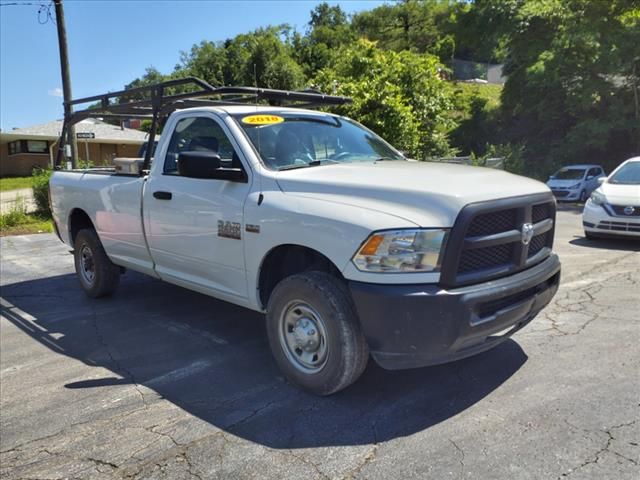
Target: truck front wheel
314 333
98 276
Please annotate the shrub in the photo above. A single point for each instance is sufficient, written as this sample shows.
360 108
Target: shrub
15 216
84 164
513 158
399 95
40 187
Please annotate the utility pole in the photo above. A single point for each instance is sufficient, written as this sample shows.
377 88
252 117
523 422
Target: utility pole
66 78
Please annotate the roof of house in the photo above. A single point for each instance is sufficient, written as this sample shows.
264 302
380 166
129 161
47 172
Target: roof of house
104 132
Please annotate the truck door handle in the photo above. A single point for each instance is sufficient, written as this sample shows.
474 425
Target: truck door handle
162 195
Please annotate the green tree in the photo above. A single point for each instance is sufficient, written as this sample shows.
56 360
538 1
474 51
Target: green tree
397 94
476 115
573 81
408 25
206 60
151 76
263 57
328 30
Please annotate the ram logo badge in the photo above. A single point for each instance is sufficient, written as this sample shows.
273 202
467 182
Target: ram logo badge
229 230
527 233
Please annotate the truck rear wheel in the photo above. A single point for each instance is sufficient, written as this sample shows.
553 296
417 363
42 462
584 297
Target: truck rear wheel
98 276
314 333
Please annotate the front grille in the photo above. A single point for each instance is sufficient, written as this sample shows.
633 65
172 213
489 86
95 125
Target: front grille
619 226
492 222
560 193
482 258
619 210
538 243
488 239
540 212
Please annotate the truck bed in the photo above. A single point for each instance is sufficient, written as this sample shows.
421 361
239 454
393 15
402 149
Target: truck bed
112 202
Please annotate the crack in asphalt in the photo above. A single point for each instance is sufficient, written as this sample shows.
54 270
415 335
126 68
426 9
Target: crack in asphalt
306 461
461 458
118 366
579 299
254 413
103 462
606 448
367 459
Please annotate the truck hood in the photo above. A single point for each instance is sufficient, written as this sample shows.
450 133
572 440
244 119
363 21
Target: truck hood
424 193
618 194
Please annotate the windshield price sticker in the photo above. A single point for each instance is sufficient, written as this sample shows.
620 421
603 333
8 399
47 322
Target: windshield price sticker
262 119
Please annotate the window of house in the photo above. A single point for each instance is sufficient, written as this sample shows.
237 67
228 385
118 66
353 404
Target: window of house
28 146
14 147
36 146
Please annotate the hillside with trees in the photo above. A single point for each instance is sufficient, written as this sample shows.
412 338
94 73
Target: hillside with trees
572 67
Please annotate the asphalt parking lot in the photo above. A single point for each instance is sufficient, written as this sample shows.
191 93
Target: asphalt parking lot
160 382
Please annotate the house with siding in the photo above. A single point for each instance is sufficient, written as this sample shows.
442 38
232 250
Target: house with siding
23 149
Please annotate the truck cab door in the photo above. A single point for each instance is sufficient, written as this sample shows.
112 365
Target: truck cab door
194 225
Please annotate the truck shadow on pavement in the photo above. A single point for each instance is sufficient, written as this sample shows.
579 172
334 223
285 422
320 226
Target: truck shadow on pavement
212 360
624 244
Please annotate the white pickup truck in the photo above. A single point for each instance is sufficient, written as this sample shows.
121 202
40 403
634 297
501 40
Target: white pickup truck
348 247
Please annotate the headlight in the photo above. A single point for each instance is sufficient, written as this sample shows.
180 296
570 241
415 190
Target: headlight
597 198
573 187
402 251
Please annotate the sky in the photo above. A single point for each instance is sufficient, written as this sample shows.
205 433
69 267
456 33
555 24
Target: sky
112 42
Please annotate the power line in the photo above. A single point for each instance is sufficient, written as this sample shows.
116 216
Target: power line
44 10
20 4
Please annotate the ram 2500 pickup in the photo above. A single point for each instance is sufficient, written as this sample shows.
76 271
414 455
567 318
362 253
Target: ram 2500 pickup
349 248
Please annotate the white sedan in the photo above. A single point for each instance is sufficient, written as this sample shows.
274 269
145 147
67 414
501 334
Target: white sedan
614 208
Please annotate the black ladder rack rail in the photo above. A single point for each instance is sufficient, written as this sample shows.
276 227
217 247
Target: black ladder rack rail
158 104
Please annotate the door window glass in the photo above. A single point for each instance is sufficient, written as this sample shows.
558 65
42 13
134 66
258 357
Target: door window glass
199 134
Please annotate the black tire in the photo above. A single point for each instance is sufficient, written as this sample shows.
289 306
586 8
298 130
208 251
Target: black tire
105 274
346 354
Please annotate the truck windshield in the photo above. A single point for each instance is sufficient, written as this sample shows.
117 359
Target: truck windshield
296 140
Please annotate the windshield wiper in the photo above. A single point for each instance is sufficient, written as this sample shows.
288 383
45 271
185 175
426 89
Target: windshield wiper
294 166
386 159
313 163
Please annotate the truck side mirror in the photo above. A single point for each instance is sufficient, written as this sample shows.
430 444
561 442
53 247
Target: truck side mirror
589 177
207 165
601 180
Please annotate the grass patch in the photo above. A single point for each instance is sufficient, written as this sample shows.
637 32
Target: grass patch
31 223
464 95
14 183
19 222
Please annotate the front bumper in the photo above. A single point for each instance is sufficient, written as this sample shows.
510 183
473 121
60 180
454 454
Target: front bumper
596 220
566 195
410 326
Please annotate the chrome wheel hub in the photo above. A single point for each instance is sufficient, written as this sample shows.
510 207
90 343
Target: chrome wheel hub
87 267
306 335
303 337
